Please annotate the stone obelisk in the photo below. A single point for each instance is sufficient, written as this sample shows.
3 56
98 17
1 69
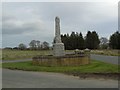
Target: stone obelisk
58 46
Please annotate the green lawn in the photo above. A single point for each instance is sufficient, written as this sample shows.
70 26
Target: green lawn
19 54
94 67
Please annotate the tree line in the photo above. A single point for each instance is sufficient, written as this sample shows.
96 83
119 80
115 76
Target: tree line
76 40
33 45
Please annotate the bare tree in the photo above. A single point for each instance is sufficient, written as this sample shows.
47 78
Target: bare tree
104 43
22 46
33 45
45 45
38 44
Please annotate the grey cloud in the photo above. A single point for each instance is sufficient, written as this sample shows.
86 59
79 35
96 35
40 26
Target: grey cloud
13 26
6 18
81 16
83 11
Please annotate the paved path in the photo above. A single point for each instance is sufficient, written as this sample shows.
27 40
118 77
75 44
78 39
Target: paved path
104 58
25 79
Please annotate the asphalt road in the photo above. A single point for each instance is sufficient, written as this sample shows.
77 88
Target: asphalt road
27 79
104 58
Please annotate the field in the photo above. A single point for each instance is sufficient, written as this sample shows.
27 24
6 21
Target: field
106 52
27 54
94 67
19 54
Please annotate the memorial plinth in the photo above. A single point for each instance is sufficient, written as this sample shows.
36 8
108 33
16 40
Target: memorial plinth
58 49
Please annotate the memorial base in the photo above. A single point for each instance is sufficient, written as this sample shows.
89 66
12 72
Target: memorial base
58 49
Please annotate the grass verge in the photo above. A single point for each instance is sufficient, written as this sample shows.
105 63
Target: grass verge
94 67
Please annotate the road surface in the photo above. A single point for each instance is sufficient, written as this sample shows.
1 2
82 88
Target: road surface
105 58
29 79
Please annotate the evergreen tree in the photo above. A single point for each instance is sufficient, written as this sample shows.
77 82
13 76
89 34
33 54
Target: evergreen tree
95 40
92 40
88 40
115 40
81 42
64 40
73 42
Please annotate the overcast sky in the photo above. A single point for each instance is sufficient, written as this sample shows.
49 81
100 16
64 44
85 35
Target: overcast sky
23 22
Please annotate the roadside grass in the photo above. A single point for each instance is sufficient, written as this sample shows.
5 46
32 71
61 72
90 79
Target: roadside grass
25 54
94 67
106 52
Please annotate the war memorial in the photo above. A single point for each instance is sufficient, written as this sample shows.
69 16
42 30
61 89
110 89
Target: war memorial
59 57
